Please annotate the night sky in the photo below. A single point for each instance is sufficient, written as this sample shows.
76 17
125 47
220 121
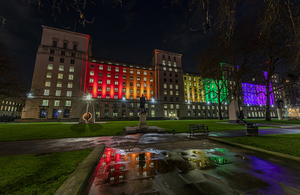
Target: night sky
129 33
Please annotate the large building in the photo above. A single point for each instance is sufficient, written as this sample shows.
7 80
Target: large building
66 72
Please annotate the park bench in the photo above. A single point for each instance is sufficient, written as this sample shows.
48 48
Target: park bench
198 127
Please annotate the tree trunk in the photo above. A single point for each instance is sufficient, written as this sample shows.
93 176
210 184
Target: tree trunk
267 111
219 106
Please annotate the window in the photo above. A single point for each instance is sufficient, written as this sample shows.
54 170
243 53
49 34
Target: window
165 86
131 71
175 70
107 89
56 102
151 79
71 77
49 75
163 62
171 86
145 85
116 89
47 83
124 70
46 92
75 47
169 63
176 86
62 60
131 78
68 103
138 84
45 103
69 93
73 54
117 69
123 90
101 67
91 73
164 68
70 85
177 93
50 67
52 51
65 46
151 74
174 64
72 61
116 82
108 82
51 58
99 88
71 69
59 84
145 78
108 75
57 92
109 68
165 92
138 72
145 72
91 80
54 43
171 92
131 90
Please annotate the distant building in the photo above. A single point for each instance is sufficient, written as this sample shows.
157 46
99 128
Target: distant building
11 108
66 72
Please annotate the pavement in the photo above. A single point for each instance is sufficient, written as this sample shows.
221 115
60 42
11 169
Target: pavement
176 164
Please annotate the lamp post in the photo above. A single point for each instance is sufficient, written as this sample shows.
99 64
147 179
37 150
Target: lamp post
59 111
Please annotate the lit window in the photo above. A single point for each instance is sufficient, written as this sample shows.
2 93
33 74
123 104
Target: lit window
145 72
60 76
169 63
131 71
109 68
177 106
145 85
177 93
71 77
175 70
138 91
164 68
57 92
70 85
101 67
115 96
108 75
69 93
108 89
107 96
151 92
123 90
138 78
71 69
45 102
174 64
99 88
117 69
116 89
46 92
108 82
165 86
164 62
165 92
131 97
151 79
116 76
92 73
56 102
68 103
176 86
145 78
124 70
138 84
91 80
61 68
124 76
59 84
116 82
138 72
49 75
47 83
131 90
171 92
171 86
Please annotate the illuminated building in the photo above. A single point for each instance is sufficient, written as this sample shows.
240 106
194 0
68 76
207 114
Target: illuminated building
66 72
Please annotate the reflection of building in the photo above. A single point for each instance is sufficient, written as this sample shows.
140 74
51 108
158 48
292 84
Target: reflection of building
66 71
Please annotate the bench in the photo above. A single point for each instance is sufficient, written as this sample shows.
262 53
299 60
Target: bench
200 127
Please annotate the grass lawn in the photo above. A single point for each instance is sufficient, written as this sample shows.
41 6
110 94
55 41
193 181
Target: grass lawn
286 144
38 174
31 131
274 121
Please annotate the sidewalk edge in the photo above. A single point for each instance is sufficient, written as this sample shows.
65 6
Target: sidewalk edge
256 149
76 181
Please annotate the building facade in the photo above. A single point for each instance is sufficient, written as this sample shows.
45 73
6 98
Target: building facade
66 73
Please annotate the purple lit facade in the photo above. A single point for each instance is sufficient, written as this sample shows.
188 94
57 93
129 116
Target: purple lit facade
255 94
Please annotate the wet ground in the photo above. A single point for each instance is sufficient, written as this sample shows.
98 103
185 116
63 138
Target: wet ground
200 167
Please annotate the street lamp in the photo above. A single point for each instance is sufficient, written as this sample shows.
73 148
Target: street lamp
59 111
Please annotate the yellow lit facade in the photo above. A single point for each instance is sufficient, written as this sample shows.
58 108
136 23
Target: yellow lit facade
193 88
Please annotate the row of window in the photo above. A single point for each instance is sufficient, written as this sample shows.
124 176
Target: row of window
63 53
65 44
9 102
170 86
170 69
8 108
170 92
56 103
58 84
57 93
117 69
91 80
169 63
60 68
123 97
61 60
205 107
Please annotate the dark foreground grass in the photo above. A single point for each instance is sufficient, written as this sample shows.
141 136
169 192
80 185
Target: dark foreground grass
38 174
31 131
286 144
274 121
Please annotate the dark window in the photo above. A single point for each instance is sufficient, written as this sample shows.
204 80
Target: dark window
177 99
73 54
66 113
185 78
165 99
170 80
175 75
176 81
131 84
55 113
62 60
123 113
124 83
170 74
163 56
90 87
123 104
52 51
106 104
92 66
72 61
116 104
151 73
100 74
63 53
54 44
106 112
171 99
165 74
75 47
65 45
174 58
169 57
43 113
51 58
165 80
